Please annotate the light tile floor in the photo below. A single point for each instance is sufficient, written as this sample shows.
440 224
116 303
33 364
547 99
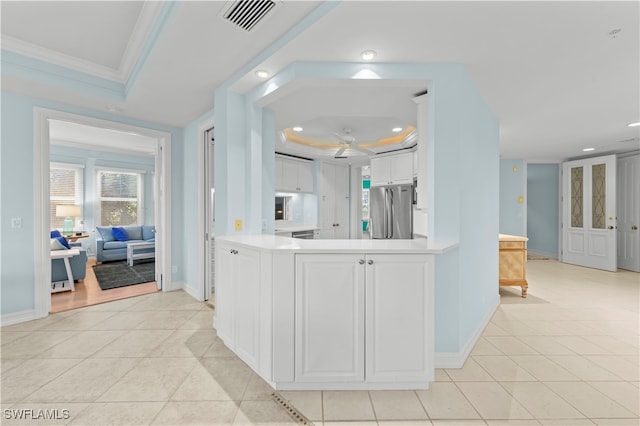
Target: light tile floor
567 355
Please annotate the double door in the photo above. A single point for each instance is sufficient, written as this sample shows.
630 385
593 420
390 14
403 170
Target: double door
363 318
334 201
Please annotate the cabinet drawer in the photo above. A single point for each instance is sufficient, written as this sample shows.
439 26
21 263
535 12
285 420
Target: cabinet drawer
512 245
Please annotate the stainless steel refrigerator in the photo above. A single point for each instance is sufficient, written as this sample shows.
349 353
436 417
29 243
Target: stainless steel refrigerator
391 212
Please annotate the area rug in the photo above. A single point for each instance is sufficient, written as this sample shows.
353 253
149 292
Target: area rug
119 274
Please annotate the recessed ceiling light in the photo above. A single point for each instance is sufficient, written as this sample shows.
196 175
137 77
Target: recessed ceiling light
297 129
588 149
262 74
637 123
368 55
396 129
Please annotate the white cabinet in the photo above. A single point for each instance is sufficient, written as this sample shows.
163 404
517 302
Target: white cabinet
392 169
334 201
329 318
363 318
293 175
237 300
397 305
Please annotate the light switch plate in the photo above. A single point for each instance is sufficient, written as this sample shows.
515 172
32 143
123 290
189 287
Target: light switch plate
16 222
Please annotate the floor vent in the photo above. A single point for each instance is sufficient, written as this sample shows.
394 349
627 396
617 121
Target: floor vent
246 14
295 414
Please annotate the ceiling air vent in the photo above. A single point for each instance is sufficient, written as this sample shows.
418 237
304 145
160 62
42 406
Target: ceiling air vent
246 14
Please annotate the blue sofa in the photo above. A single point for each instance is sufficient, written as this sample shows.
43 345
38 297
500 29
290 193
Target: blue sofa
108 248
78 267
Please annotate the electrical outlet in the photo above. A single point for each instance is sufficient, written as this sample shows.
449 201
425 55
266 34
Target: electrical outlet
16 222
238 225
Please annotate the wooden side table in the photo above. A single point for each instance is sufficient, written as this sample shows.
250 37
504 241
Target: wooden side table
67 284
513 261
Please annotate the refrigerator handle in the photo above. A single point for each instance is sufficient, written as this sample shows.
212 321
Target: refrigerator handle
391 213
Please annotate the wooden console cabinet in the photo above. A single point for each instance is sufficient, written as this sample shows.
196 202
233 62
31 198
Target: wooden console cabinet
513 261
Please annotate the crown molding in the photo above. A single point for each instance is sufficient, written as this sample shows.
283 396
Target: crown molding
30 50
141 33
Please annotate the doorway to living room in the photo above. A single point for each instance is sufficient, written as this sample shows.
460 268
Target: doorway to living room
122 181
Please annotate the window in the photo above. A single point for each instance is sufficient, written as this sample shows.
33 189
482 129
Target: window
65 187
120 197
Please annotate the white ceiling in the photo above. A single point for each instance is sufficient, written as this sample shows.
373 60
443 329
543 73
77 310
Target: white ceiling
550 71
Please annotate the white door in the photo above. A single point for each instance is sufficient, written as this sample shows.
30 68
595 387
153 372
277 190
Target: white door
589 212
341 191
329 318
629 213
209 212
397 288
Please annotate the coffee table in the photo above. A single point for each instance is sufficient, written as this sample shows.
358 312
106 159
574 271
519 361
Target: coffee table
133 251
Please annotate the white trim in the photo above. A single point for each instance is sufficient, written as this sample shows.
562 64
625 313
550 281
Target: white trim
141 33
118 170
203 226
457 359
193 292
70 166
17 317
175 286
42 255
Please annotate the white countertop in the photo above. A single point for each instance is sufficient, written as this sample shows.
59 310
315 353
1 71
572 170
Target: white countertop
507 237
273 242
295 227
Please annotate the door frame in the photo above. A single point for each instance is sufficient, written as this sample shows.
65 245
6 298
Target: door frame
162 184
204 214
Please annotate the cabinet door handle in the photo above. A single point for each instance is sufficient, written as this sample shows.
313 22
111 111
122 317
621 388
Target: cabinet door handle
370 262
361 261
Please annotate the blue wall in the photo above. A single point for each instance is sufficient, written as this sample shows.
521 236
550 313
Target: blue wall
543 208
17 265
91 159
513 185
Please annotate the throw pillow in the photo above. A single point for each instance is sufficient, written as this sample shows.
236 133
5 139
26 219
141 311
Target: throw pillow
120 233
55 233
59 243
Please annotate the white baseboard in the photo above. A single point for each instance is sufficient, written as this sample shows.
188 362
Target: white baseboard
542 253
457 359
18 317
193 292
174 285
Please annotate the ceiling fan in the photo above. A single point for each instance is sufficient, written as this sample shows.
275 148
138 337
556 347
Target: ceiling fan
348 142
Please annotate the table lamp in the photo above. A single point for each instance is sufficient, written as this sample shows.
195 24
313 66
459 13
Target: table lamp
68 212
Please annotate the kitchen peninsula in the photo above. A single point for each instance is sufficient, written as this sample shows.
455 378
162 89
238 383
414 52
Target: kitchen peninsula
329 314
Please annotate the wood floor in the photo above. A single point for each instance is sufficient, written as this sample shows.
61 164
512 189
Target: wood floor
88 292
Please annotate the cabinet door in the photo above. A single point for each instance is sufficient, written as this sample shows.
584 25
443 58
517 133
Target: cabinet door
289 175
305 177
401 168
380 171
280 185
246 264
329 318
224 294
399 328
